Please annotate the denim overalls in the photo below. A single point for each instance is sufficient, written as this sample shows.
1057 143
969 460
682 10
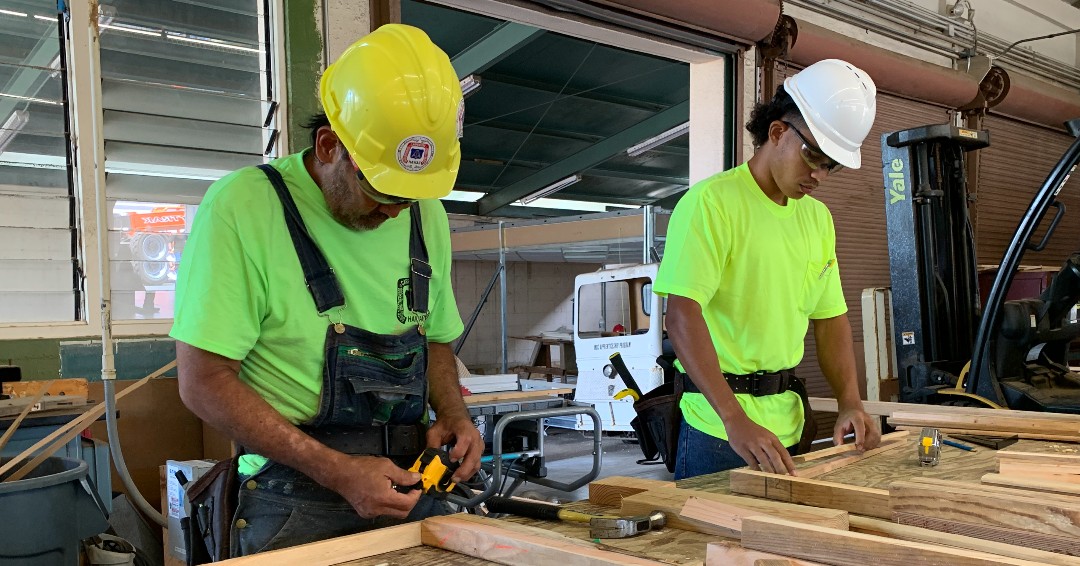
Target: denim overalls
374 401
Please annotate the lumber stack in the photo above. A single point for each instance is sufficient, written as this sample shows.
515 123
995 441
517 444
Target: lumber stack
1021 517
970 420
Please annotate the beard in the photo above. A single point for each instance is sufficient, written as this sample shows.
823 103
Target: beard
345 201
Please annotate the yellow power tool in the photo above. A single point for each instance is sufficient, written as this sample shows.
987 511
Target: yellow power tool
436 471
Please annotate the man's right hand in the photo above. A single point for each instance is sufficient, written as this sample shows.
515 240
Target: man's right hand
367 483
760 448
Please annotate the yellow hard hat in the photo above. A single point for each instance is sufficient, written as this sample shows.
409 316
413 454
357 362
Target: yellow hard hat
394 100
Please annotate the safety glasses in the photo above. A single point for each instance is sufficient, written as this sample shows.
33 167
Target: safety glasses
376 196
813 156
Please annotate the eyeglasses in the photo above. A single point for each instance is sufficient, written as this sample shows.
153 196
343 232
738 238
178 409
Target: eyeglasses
813 156
370 192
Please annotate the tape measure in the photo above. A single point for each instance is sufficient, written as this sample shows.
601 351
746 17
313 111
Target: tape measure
436 471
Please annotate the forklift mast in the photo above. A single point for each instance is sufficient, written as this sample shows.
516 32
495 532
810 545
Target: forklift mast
1015 354
935 294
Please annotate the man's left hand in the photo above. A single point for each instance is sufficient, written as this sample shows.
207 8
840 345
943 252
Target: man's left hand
468 444
865 427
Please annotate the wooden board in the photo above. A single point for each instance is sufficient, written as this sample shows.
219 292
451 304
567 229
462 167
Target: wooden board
845 548
611 490
512 396
790 489
843 448
511 544
420 556
731 554
73 387
728 517
337 550
981 432
852 457
1032 465
1055 515
672 501
1032 484
1049 543
890 529
886 409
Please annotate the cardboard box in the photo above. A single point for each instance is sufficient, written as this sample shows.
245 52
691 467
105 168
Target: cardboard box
174 506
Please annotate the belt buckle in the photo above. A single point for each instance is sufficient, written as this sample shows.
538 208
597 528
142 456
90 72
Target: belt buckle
421 268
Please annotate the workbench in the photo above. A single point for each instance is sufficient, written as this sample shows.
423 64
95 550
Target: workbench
675 546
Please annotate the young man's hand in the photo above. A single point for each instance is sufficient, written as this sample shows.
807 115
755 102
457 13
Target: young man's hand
760 448
865 427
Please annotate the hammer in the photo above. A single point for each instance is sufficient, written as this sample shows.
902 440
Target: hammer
600 526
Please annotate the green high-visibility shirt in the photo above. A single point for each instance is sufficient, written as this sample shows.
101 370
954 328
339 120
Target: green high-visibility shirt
240 290
760 271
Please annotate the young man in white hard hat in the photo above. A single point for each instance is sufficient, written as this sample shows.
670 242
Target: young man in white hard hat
750 259
314 307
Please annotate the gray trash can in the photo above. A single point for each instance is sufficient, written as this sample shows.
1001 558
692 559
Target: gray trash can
45 515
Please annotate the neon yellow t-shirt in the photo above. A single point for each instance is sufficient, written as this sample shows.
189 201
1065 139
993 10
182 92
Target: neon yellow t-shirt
240 291
759 271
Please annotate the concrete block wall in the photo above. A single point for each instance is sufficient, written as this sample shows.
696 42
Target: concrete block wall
539 299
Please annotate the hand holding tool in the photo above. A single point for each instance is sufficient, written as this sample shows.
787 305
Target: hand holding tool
600 526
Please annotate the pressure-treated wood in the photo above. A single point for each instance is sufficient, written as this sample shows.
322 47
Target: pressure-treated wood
847 459
1032 484
984 432
843 448
790 489
844 548
612 490
507 543
337 550
1049 543
867 525
672 501
731 554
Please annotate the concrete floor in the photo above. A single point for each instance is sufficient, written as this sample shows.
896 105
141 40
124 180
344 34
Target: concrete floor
568 455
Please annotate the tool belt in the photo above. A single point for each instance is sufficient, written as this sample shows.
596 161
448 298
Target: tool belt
761 384
387 440
757 384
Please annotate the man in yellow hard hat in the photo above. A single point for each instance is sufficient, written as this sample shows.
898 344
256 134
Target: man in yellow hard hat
750 260
314 307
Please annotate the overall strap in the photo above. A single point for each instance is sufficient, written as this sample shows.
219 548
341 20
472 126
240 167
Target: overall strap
317 272
419 268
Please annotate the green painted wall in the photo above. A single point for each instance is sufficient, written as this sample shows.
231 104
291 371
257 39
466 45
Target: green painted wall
39 359
303 66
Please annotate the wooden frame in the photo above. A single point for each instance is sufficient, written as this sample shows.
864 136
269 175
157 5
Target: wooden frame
791 489
479 537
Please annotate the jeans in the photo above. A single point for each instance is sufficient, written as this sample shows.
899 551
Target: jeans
280 507
701 453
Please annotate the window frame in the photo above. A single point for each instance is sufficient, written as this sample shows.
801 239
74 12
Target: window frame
86 122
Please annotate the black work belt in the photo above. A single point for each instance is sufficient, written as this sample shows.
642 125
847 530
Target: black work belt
756 384
386 440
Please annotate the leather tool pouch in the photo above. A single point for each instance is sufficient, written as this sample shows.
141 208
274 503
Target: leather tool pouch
213 503
659 417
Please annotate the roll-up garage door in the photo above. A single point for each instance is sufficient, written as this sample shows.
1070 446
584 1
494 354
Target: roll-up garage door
1011 171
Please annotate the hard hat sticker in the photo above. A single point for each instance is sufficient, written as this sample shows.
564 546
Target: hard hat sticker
414 153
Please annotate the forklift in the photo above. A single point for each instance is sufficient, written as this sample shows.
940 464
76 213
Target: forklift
949 349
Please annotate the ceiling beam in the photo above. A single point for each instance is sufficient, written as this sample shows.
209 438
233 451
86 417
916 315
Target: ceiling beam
505 39
568 92
587 158
669 202
633 174
469 208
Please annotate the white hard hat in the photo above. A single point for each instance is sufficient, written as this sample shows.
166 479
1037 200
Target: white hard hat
838 102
